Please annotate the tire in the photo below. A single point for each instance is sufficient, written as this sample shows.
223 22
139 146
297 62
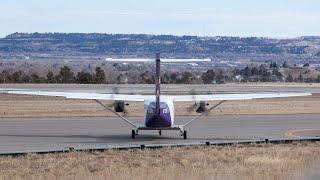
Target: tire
184 134
160 133
133 134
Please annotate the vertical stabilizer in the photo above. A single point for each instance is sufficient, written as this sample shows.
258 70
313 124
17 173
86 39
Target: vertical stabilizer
158 83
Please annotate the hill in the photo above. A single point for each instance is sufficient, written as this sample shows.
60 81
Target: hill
141 45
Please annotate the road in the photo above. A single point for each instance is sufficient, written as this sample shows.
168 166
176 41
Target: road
39 134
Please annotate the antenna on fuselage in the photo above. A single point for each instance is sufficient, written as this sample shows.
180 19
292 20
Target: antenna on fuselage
158 83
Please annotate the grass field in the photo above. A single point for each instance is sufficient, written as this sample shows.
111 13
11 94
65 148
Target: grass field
35 106
229 162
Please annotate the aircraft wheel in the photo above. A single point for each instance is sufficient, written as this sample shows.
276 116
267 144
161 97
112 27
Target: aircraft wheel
133 134
160 133
184 134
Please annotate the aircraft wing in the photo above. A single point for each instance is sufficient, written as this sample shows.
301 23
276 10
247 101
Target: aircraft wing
137 97
225 97
80 95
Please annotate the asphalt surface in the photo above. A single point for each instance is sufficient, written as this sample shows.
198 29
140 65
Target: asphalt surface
41 134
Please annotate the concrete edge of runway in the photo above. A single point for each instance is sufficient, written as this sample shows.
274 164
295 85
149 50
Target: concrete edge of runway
157 146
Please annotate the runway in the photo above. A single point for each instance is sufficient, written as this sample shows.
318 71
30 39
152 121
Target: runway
42 134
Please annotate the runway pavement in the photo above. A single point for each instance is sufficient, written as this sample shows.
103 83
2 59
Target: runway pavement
41 134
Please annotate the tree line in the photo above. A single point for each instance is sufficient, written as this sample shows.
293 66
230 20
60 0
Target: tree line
260 73
64 76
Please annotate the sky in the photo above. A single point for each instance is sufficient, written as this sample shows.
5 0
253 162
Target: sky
245 18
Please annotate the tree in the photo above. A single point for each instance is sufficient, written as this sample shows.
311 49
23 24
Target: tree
285 64
221 79
318 79
273 65
36 79
99 76
208 77
51 78
254 71
146 78
16 77
263 70
247 72
4 77
65 75
289 78
186 78
173 78
26 79
84 78
300 78
165 79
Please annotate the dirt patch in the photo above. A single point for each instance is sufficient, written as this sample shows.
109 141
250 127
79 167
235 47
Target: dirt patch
303 133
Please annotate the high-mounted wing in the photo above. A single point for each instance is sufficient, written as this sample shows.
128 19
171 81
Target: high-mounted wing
224 97
81 95
178 98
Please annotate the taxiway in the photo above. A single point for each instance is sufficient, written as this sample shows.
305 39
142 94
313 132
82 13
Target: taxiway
41 134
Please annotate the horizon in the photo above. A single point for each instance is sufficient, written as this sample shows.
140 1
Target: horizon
205 18
199 36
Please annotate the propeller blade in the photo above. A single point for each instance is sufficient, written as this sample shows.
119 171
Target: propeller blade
192 107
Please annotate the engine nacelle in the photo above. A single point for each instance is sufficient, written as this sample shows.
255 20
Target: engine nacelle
119 106
201 107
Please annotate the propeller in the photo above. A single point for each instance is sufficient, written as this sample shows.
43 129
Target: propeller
192 107
115 90
199 107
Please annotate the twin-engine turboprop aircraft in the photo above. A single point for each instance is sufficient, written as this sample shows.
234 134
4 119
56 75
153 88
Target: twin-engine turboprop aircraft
158 110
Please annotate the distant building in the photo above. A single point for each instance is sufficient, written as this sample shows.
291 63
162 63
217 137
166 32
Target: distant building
238 78
192 64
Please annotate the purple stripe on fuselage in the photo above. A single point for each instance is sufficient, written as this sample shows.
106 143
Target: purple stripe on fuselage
155 120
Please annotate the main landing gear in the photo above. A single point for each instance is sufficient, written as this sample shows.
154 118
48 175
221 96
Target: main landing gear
133 134
184 134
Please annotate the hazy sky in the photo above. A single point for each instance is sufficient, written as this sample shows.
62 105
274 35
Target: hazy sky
268 18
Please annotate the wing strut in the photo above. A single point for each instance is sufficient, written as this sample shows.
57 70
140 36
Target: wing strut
206 113
114 112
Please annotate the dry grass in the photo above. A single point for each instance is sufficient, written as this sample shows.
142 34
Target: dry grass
35 106
230 162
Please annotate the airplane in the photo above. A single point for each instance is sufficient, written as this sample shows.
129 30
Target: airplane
158 109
